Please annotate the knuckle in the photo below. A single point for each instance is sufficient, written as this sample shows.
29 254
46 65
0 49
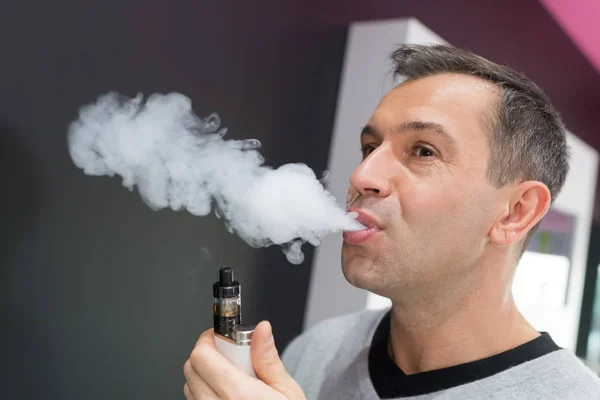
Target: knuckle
186 392
206 335
197 357
187 368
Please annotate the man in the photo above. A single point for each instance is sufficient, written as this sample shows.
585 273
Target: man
460 163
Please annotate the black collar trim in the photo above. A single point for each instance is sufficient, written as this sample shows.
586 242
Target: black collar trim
390 382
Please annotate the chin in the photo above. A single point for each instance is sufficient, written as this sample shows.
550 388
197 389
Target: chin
360 270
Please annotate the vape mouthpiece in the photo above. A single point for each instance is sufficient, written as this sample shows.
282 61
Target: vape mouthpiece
226 276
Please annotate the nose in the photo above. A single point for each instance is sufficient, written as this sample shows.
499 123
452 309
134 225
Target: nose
371 177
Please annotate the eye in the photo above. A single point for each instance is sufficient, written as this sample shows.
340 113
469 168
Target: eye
423 151
367 149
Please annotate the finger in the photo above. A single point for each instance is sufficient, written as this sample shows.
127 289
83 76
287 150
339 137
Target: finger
201 391
224 378
266 361
195 388
209 333
187 392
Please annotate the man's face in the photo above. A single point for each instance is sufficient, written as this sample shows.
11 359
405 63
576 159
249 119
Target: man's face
422 186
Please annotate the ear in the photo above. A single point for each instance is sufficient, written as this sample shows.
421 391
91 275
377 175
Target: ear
528 204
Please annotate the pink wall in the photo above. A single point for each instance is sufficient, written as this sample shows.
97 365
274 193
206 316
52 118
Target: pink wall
580 19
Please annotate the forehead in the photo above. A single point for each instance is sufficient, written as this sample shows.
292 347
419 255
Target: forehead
461 103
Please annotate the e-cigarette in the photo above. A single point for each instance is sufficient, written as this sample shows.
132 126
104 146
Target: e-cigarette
232 339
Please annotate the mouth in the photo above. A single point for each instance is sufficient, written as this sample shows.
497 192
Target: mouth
359 237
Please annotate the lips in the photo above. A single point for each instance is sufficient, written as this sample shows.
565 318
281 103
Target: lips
359 237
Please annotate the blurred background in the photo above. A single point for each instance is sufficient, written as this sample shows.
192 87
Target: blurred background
104 298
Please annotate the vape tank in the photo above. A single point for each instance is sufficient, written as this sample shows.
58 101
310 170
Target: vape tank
231 338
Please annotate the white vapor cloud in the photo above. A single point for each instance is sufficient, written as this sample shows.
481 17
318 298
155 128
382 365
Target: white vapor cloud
181 161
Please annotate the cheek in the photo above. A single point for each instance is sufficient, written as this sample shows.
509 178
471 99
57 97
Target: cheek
428 201
449 207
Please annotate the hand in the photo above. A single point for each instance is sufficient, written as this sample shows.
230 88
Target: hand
209 375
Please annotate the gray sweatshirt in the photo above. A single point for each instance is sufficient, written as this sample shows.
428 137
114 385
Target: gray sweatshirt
342 358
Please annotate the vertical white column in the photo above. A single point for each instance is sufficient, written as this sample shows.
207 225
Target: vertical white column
366 77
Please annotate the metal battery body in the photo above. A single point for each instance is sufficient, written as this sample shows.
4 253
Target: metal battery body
232 339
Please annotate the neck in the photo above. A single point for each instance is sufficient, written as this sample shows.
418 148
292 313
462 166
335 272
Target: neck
457 322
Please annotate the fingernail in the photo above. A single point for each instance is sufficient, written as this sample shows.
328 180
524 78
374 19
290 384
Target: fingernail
269 336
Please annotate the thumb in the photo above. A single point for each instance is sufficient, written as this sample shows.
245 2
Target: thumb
266 361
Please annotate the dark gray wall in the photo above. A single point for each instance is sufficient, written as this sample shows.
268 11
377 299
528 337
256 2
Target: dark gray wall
103 298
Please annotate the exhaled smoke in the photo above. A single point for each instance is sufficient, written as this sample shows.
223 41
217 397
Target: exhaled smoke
181 161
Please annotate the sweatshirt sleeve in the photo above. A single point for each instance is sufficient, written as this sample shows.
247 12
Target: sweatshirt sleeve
292 355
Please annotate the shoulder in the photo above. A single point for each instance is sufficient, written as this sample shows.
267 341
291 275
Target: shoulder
558 375
578 380
323 340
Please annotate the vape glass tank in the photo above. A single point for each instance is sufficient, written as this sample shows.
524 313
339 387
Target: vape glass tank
227 305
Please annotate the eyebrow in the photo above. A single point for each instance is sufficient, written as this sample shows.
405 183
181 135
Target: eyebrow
412 126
